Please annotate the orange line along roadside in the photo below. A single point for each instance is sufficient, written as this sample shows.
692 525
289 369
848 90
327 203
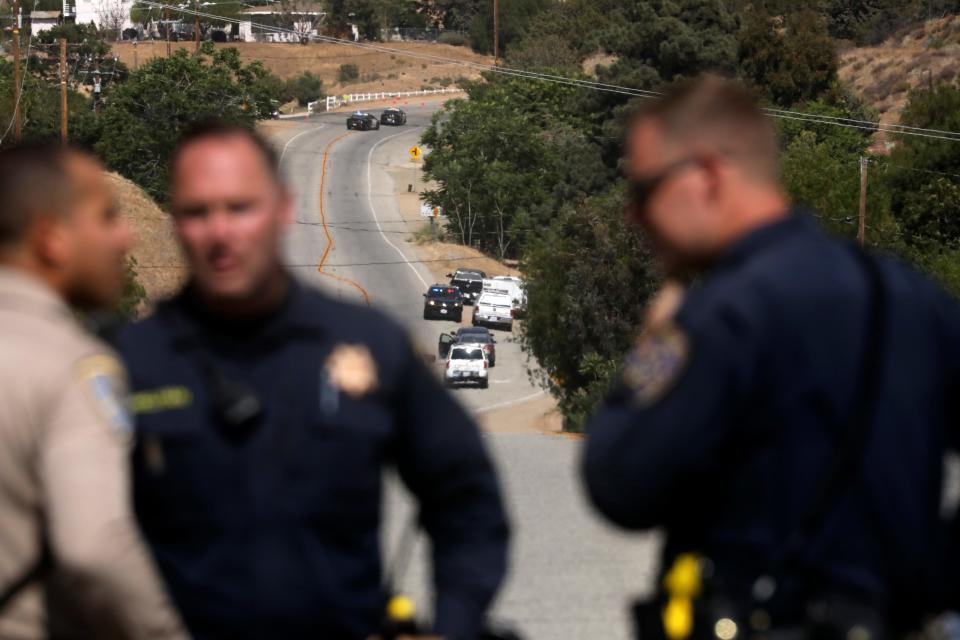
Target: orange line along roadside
323 223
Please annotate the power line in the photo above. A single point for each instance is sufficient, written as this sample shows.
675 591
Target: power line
597 86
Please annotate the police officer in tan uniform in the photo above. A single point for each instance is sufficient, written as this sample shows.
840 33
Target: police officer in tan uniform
72 563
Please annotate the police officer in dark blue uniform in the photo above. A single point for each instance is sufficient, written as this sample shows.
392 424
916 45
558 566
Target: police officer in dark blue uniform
784 416
266 413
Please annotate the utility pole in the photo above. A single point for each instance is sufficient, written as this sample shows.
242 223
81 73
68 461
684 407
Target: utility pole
862 229
166 18
496 31
196 26
63 90
17 81
136 59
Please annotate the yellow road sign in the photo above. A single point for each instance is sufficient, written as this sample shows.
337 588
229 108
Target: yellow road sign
415 153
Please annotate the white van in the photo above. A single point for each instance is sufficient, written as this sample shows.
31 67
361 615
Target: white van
494 309
513 287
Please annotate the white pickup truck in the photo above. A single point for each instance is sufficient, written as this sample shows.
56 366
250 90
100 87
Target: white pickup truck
466 363
494 309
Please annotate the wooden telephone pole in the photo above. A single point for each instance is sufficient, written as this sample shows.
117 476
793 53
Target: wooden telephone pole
166 18
196 26
17 81
862 228
63 90
496 31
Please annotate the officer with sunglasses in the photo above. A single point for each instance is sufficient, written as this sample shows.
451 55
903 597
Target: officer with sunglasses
266 413
785 409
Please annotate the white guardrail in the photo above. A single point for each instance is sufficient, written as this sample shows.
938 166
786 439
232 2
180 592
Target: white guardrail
334 102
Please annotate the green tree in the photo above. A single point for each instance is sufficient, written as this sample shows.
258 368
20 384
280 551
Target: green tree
493 157
925 172
365 14
659 41
576 23
40 105
143 117
305 87
347 73
515 17
787 59
589 277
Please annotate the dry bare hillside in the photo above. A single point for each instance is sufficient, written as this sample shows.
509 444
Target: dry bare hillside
884 74
160 265
379 71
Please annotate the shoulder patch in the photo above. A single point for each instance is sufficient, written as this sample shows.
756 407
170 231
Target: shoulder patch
105 382
655 363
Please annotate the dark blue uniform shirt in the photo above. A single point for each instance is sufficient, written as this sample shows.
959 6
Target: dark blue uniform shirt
274 534
738 417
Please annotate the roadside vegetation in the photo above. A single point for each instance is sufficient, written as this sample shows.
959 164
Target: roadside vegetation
529 169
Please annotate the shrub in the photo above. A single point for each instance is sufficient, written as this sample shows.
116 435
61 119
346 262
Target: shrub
305 88
946 74
453 38
348 73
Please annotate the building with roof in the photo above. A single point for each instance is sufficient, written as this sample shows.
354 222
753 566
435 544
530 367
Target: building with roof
41 21
301 21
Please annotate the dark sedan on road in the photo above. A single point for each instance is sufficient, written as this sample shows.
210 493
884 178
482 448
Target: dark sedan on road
362 121
442 301
393 116
470 335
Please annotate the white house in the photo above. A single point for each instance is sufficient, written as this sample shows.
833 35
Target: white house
41 21
299 23
106 14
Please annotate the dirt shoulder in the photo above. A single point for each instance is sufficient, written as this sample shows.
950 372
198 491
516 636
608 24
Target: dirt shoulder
379 70
539 414
161 268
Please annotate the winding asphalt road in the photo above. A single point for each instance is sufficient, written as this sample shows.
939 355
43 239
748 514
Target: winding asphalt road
571 575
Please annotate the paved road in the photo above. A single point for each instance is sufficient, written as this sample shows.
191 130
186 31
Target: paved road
571 575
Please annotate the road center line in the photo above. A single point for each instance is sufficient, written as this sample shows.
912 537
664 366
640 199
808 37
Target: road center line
326 229
373 209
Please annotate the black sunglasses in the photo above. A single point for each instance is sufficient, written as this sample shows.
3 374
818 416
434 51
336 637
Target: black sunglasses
642 189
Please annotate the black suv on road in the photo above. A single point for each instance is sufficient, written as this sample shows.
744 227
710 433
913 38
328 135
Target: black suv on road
363 121
470 283
393 116
442 301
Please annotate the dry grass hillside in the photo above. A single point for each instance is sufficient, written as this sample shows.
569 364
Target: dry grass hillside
379 71
160 266
884 74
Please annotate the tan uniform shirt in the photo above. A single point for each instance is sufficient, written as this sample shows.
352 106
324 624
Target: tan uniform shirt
64 478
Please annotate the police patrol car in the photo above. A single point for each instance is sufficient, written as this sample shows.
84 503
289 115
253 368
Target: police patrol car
393 116
362 121
442 301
